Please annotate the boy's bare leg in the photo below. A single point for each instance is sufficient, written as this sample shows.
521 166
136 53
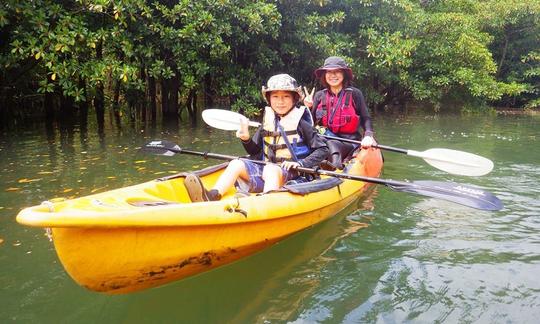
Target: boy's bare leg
273 177
236 169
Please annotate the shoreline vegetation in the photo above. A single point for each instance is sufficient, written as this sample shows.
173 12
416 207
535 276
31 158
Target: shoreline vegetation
167 59
518 111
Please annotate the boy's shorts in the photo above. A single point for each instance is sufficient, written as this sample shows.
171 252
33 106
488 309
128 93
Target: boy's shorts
256 182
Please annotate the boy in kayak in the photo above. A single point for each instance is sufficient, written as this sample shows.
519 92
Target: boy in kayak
286 138
340 109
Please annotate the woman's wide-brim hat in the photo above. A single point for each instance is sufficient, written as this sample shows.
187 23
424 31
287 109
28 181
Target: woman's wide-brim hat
334 63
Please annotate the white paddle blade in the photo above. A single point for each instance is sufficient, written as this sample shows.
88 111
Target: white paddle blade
224 119
455 162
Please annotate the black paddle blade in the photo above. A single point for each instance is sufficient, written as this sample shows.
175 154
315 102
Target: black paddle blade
459 193
161 147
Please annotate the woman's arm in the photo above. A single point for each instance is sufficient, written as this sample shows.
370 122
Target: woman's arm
363 112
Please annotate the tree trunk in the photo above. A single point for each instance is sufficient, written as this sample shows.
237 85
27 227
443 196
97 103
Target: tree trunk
99 98
192 106
116 103
142 101
48 107
5 99
503 55
166 103
67 110
164 96
208 92
375 86
152 95
83 107
173 96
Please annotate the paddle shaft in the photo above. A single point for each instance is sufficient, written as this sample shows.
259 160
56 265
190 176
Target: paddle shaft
379 146
386 182
458 193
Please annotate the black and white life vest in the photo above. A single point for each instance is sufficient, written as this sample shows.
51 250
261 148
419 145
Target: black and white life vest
281 138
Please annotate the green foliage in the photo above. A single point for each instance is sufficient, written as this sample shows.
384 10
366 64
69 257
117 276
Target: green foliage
245 107
480 52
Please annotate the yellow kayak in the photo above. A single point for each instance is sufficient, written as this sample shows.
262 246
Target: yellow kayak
146 235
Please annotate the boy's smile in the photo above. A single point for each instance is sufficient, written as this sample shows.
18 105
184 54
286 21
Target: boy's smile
281 101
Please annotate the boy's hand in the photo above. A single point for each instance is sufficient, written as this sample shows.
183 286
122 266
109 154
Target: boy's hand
287 165
243 131
308 100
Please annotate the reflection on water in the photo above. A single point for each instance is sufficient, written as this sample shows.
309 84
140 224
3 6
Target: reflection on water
393 257
304 274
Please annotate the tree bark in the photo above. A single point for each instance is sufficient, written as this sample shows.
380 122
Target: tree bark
83 107
116 103
48 107
503 55
208 92
152 95
164 96
99 98
173 96
192 106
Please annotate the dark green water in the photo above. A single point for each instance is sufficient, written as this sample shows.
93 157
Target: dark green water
392 257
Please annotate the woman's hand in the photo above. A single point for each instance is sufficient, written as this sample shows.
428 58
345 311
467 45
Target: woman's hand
287 165
308 99
367 142
243 131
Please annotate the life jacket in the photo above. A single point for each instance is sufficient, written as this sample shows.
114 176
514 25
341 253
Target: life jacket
281 138
339 117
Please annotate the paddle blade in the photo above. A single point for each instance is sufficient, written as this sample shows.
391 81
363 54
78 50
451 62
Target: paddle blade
224 119
459 193
161 147
455 162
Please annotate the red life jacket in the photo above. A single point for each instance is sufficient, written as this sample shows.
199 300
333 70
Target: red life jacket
339 116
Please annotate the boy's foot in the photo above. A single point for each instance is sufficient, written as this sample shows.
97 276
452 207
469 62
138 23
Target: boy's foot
196 190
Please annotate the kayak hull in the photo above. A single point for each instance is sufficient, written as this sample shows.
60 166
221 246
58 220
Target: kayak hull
112 248
140 258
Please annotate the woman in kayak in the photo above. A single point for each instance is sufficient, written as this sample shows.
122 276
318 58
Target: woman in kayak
286 138
339 109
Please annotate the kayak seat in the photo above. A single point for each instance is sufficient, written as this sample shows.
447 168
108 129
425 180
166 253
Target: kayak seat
200 173
316 185
172 188
312 186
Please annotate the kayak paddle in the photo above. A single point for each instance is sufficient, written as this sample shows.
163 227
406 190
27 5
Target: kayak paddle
459 193
451 161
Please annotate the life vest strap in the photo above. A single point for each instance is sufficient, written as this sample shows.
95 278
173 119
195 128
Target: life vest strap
274 159
266 133
275 147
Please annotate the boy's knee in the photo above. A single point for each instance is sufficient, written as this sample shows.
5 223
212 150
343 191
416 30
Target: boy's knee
236 165
271 170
